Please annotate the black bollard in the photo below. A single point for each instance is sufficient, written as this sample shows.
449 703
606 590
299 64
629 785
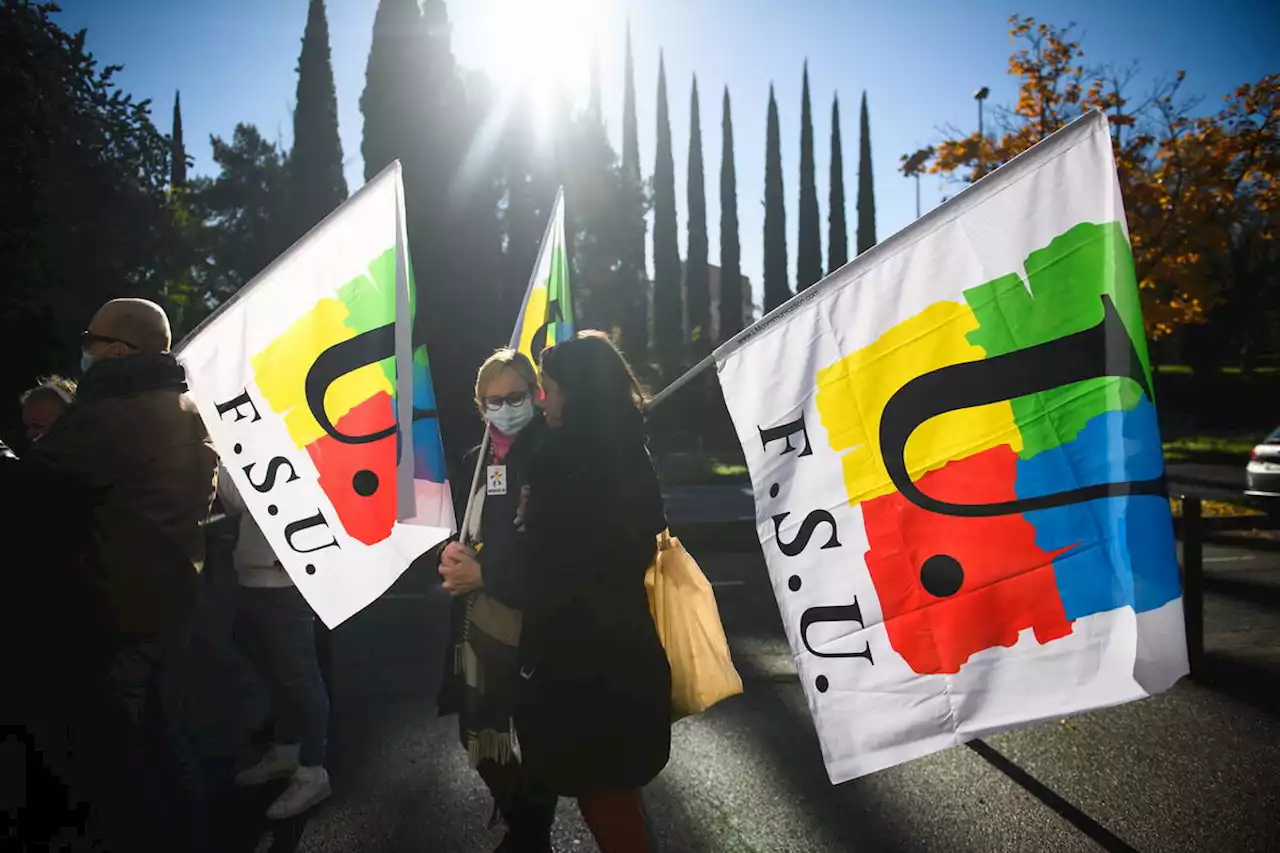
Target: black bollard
1193 579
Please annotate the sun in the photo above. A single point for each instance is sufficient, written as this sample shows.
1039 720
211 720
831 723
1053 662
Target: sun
541 49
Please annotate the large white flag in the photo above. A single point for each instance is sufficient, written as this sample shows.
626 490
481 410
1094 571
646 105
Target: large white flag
310 387
958 474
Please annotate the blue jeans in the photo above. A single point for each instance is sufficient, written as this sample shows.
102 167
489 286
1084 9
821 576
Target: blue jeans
277 628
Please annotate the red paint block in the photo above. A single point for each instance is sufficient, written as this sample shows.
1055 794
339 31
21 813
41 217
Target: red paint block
360 479
937 614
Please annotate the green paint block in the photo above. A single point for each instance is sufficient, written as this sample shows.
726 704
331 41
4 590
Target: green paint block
371 302
1067 279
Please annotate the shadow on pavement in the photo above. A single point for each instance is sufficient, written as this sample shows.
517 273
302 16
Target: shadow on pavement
1244 590
1066 810
1245 681
238 820
785 733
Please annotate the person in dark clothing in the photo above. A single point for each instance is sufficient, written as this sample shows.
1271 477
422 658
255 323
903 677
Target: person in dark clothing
135 445
51 631
594 718
485 574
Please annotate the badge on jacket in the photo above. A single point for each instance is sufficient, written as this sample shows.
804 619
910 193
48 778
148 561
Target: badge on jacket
497 481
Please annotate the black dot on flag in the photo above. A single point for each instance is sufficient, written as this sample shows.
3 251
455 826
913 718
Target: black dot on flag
822 683
365 483
773 490
238 448
942 575
273 510
794 583
311 569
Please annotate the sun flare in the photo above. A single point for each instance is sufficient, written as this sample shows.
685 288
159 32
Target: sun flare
541 49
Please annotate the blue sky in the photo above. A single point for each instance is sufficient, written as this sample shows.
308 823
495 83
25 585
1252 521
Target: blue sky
919 63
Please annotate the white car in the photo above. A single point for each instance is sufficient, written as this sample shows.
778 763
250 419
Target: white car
1262 477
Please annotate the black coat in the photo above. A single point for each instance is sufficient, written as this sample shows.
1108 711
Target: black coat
595 710
502 559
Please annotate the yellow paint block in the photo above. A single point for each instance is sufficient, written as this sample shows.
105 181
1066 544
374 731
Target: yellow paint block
535 314
281 372
852 394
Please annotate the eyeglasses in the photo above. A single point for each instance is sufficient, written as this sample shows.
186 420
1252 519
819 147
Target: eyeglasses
88 338
514 400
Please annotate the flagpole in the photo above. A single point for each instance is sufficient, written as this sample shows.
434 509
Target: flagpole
689 375
515 342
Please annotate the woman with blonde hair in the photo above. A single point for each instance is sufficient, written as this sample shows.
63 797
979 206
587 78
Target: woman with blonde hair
485 572
45 403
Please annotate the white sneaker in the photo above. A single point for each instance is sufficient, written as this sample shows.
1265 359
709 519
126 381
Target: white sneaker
280 762
309 787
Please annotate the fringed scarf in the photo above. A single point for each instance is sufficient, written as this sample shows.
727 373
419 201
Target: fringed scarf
486 658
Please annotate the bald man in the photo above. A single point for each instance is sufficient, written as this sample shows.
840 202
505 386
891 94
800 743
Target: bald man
134 444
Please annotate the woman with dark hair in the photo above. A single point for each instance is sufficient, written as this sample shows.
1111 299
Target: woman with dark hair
594 720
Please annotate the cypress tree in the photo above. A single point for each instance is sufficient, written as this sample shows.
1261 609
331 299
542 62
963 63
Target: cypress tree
633 280
776 288
177 150
838 233
809 247
731 314
697 275
391 104
668 305
866 187
317 184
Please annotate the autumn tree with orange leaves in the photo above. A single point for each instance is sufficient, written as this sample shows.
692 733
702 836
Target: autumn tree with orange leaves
1200 192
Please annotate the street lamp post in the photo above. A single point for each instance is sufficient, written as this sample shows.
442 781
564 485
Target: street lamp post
912 166
980 96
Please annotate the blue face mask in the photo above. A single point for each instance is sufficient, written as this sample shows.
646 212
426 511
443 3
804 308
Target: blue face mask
86 361
509 419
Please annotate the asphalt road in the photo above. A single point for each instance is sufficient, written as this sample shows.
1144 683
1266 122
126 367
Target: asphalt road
1196 769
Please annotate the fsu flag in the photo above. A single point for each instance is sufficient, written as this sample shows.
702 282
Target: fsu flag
958 472
322 410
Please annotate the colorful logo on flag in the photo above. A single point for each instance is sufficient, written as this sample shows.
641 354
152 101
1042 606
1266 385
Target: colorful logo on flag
546 317
331 376
1006 457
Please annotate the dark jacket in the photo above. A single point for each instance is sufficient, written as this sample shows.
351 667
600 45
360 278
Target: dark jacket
595 714
52 629
502 559
135 443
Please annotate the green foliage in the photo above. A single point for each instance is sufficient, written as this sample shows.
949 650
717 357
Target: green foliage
866 186
84 212
633 277
177 148
316 181
668 308
697 274
421 109
596 224
809 248
245 209
777 290
838 231
731 296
